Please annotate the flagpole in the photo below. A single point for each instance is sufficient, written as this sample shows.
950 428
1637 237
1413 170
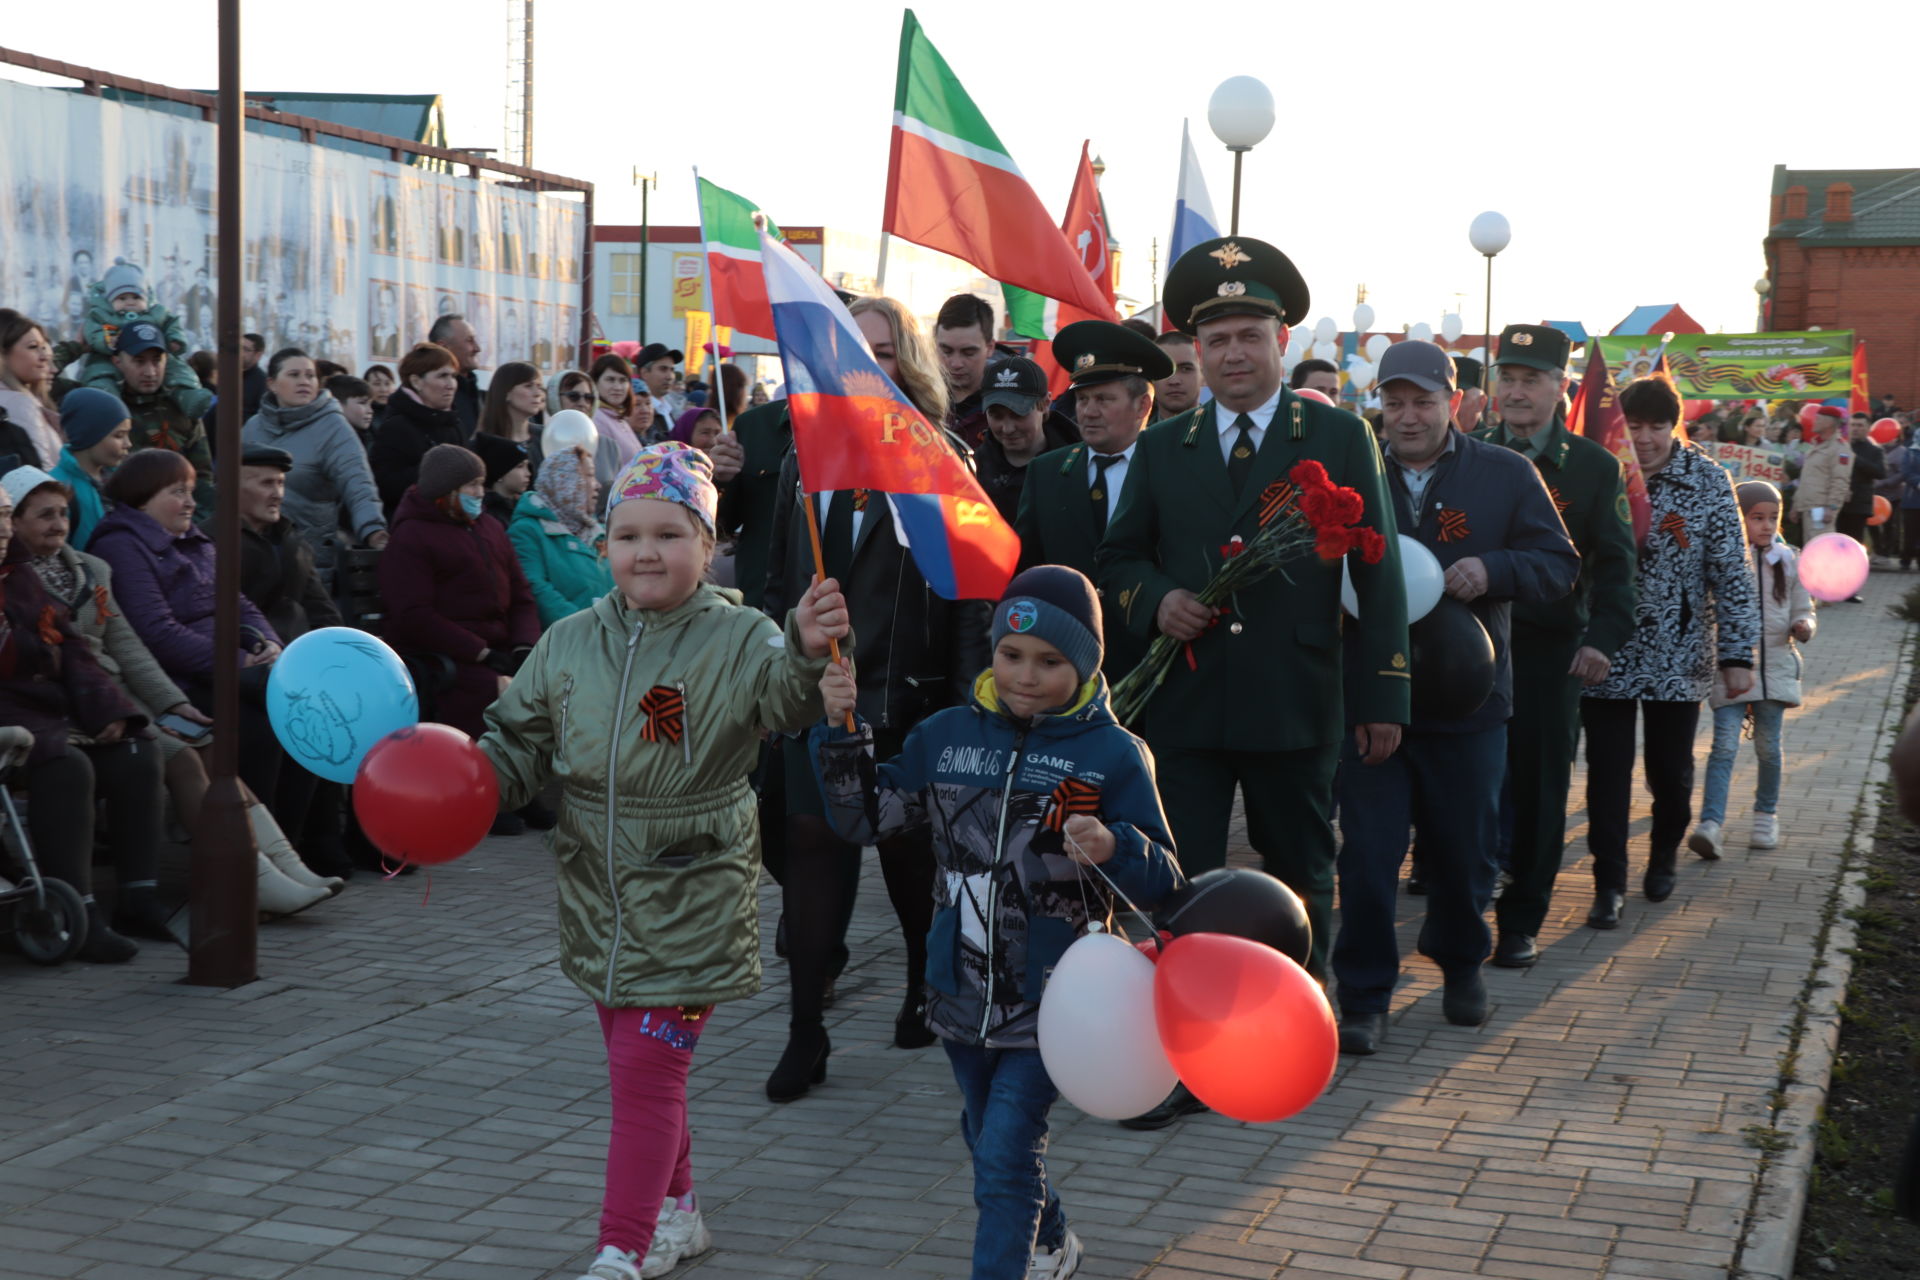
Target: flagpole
820 575
713 301
880 280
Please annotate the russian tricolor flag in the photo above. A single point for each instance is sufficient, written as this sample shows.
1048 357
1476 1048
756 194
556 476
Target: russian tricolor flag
1193 219
853 429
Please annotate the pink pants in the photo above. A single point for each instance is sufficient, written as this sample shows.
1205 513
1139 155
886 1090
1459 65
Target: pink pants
648 1153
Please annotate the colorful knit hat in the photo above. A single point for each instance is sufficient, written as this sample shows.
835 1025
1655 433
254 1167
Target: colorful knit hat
672 472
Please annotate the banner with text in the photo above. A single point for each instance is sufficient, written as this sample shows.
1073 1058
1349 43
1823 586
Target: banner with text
350 257
1741 366
1744 462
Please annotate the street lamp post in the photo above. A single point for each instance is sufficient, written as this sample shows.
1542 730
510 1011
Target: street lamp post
1241 116
1489 234
1762 287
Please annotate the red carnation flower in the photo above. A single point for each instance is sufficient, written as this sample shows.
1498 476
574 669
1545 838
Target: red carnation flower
1332 544
1372 546
1308 474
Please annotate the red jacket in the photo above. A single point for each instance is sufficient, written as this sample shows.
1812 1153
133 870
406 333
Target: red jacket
455 589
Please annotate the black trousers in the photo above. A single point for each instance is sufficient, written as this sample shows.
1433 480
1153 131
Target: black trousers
63 794
1909 518
821 881
1668 757
1853 524
1541 740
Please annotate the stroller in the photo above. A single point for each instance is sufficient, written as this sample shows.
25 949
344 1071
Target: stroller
46 917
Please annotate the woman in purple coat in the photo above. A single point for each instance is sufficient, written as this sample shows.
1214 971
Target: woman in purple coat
452 586
163 575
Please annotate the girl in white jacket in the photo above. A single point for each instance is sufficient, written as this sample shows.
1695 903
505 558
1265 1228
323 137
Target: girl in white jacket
1786 618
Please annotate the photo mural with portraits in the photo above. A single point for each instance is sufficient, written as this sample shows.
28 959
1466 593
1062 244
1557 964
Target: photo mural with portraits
349 257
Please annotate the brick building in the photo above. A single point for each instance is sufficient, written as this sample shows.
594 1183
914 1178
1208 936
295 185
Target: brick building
1843 252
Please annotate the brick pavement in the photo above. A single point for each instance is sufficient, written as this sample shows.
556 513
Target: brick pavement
412 1090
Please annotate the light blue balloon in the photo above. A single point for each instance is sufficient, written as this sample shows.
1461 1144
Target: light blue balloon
335 692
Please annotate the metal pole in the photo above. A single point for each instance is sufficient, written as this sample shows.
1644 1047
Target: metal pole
526 92
880 280
1238 152
1487 349
225 898
646 185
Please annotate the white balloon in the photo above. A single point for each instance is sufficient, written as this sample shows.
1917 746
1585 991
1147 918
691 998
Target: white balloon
1326 351
1362 318
1325 330
1098 1038
568 429
1298 341
1451 327
1377 346
1360 373
1480 354
1425 580
1421 332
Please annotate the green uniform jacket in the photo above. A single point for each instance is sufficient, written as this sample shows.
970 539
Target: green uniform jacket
159 423
656 876
747 501
1587 487
1275 683
1056 527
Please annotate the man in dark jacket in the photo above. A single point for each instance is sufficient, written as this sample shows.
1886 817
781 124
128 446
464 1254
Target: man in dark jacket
253 379
1869 465
276 565
1488 517
140 358
1020 427
457 336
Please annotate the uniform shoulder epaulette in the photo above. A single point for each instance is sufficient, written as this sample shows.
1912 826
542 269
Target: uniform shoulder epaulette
1073 456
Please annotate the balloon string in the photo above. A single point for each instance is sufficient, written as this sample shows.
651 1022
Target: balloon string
1153 930
393 869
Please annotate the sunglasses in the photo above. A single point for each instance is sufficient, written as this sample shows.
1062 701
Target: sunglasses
579 397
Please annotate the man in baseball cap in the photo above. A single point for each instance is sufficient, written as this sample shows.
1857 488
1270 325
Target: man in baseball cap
655 365
1020 427
1487 517
159 421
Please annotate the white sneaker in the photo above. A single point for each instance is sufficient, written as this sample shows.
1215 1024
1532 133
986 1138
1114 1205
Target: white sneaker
679 1235
1056 1264
614 1263
1766 831
1705 840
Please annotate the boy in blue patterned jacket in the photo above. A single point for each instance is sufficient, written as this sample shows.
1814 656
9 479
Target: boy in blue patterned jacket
1023 787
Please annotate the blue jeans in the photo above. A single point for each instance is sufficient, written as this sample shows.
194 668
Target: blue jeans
1767 716
1448 785
1007 1093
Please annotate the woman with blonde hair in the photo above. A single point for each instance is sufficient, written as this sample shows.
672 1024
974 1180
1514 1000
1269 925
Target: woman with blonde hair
904 352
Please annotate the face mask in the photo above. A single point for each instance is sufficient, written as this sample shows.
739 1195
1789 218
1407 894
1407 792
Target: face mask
471 505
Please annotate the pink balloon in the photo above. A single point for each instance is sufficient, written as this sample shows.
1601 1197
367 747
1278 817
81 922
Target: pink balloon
1833 567
1308 393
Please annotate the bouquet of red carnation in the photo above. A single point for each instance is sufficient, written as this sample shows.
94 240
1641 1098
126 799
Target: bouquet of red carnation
1306 512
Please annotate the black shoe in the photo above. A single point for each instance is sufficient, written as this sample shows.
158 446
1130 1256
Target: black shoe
910 1028
140 914
1179 1103
103 945
507 824
1658 883
803 1065
537 816
780 937
1606 909
327 858
1464 1000
1515 951
1417 881
1361 1034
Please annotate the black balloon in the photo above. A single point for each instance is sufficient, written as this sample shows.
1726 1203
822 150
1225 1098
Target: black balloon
1452 662
1242 902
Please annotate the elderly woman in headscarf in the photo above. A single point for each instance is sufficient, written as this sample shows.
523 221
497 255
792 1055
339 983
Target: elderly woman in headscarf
561 546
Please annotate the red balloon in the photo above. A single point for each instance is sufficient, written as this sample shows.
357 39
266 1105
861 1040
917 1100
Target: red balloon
1698 409
1885 431
1882 510
426 794
1308 393
1248 1031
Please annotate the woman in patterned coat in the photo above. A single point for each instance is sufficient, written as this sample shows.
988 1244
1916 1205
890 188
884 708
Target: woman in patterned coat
1697 614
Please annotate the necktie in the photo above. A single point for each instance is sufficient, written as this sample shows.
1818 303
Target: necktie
838 538
1098 493
1240 460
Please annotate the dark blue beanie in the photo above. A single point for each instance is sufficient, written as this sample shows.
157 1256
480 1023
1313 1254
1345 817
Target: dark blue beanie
1054 603
89 415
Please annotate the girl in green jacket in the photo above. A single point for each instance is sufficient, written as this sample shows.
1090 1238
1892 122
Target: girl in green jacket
648 708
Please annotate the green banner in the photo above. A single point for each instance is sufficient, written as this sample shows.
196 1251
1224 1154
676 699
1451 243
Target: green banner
1741 366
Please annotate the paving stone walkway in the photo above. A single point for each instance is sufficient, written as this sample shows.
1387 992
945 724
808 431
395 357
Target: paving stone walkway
412 1090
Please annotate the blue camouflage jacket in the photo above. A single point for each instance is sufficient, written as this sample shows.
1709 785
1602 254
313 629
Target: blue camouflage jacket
1008 900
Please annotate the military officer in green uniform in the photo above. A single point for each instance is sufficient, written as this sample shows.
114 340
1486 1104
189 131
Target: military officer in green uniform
1071 493
1561 647
1257 702
765 434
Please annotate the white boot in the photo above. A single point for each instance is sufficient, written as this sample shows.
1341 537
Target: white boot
279 896
272 843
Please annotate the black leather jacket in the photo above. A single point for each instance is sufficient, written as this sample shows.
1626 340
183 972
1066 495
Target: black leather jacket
914 653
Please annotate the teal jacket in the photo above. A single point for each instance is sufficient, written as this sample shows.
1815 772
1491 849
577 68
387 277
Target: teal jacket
89 504
566 571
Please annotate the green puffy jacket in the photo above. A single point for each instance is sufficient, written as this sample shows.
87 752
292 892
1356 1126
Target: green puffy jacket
657 875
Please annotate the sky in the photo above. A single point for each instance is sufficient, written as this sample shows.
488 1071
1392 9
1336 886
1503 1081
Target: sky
1630 147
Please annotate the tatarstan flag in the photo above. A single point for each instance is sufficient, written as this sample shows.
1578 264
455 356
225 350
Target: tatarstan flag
951 185
736 285
1038 318
1596 415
